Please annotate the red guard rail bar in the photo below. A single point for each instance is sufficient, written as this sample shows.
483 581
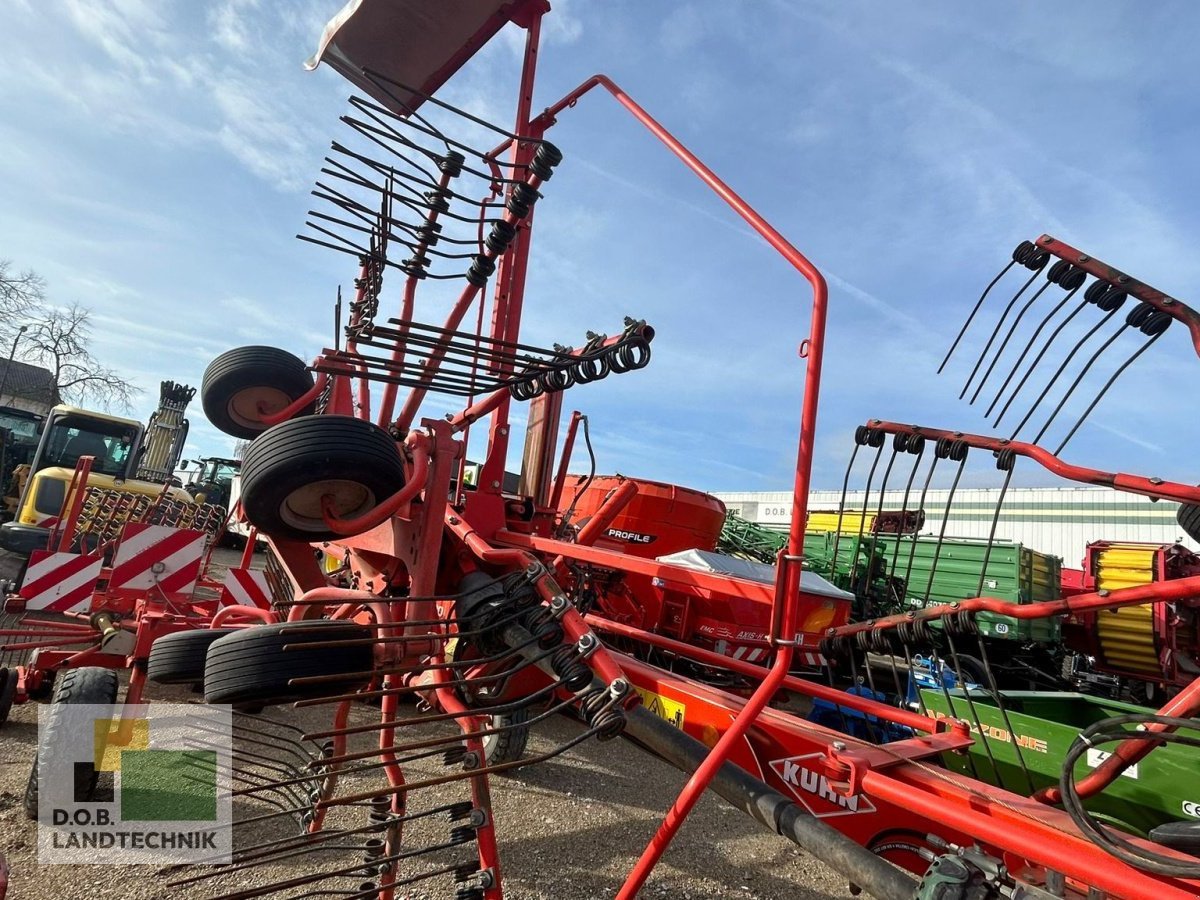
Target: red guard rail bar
788 574
1132 484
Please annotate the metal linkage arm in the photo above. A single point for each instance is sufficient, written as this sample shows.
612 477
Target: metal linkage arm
1155 488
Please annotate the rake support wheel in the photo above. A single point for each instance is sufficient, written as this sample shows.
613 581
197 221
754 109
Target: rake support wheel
179 658
252 667
293 466
77 686
508 745
242 384
1188 518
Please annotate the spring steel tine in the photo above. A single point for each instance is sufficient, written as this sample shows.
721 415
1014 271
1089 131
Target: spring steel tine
373 892
293 747
351 770
1037 360
410 669
248 764
937 547
1029 346
912 475
1079 378
842 503
862 521
377 77
912 548
383 129
414 203
974 310
1012 329
349 799
995 331
402 690
378 136
456 737
389 172
435 717
1104 390
426 128
508 653
322 191
1058 373
250 852
366 867
887 475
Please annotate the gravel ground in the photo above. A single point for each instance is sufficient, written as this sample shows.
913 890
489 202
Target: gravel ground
570 827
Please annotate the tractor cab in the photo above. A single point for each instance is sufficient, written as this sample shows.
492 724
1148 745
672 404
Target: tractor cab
126 457
212 479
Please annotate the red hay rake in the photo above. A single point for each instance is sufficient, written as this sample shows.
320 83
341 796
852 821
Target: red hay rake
472 602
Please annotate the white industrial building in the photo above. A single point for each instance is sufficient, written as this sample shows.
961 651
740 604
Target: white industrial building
1057 521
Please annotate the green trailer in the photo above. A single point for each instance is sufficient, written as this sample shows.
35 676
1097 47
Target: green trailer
1161 788
1010 571
894 572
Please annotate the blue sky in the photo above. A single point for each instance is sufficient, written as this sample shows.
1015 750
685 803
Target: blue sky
158 156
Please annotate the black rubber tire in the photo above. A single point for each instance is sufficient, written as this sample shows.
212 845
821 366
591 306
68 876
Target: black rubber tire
74 686
286 471
252 667
8 690
1188 518
508 746
972 667
179 658
232 381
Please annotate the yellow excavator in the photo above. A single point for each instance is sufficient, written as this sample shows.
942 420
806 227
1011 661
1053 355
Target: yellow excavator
128 457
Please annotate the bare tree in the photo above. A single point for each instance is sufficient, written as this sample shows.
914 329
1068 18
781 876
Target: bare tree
59 338
22 298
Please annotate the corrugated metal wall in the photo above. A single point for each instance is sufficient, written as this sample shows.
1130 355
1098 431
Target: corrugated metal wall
1052 520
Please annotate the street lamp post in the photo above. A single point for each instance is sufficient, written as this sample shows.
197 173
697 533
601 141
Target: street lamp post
11 354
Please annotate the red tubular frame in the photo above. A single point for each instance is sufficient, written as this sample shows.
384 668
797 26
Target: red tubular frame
865 705
788 575
418 444
1131 484
1142 291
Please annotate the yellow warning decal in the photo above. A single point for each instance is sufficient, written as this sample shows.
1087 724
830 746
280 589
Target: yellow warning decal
668 710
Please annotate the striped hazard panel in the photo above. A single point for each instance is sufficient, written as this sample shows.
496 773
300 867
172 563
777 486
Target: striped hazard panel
152 556
246 587
59 582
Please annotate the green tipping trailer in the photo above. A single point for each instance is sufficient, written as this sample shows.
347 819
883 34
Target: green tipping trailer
1161 788
894 571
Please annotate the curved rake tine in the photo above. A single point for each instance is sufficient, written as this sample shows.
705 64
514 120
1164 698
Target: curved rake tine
1037 360
1058 373
1008 337
1029 346
1112 379
971 315
995 331
1078 379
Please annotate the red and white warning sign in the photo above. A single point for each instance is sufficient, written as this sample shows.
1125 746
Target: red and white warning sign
159 556
246 587
59 582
